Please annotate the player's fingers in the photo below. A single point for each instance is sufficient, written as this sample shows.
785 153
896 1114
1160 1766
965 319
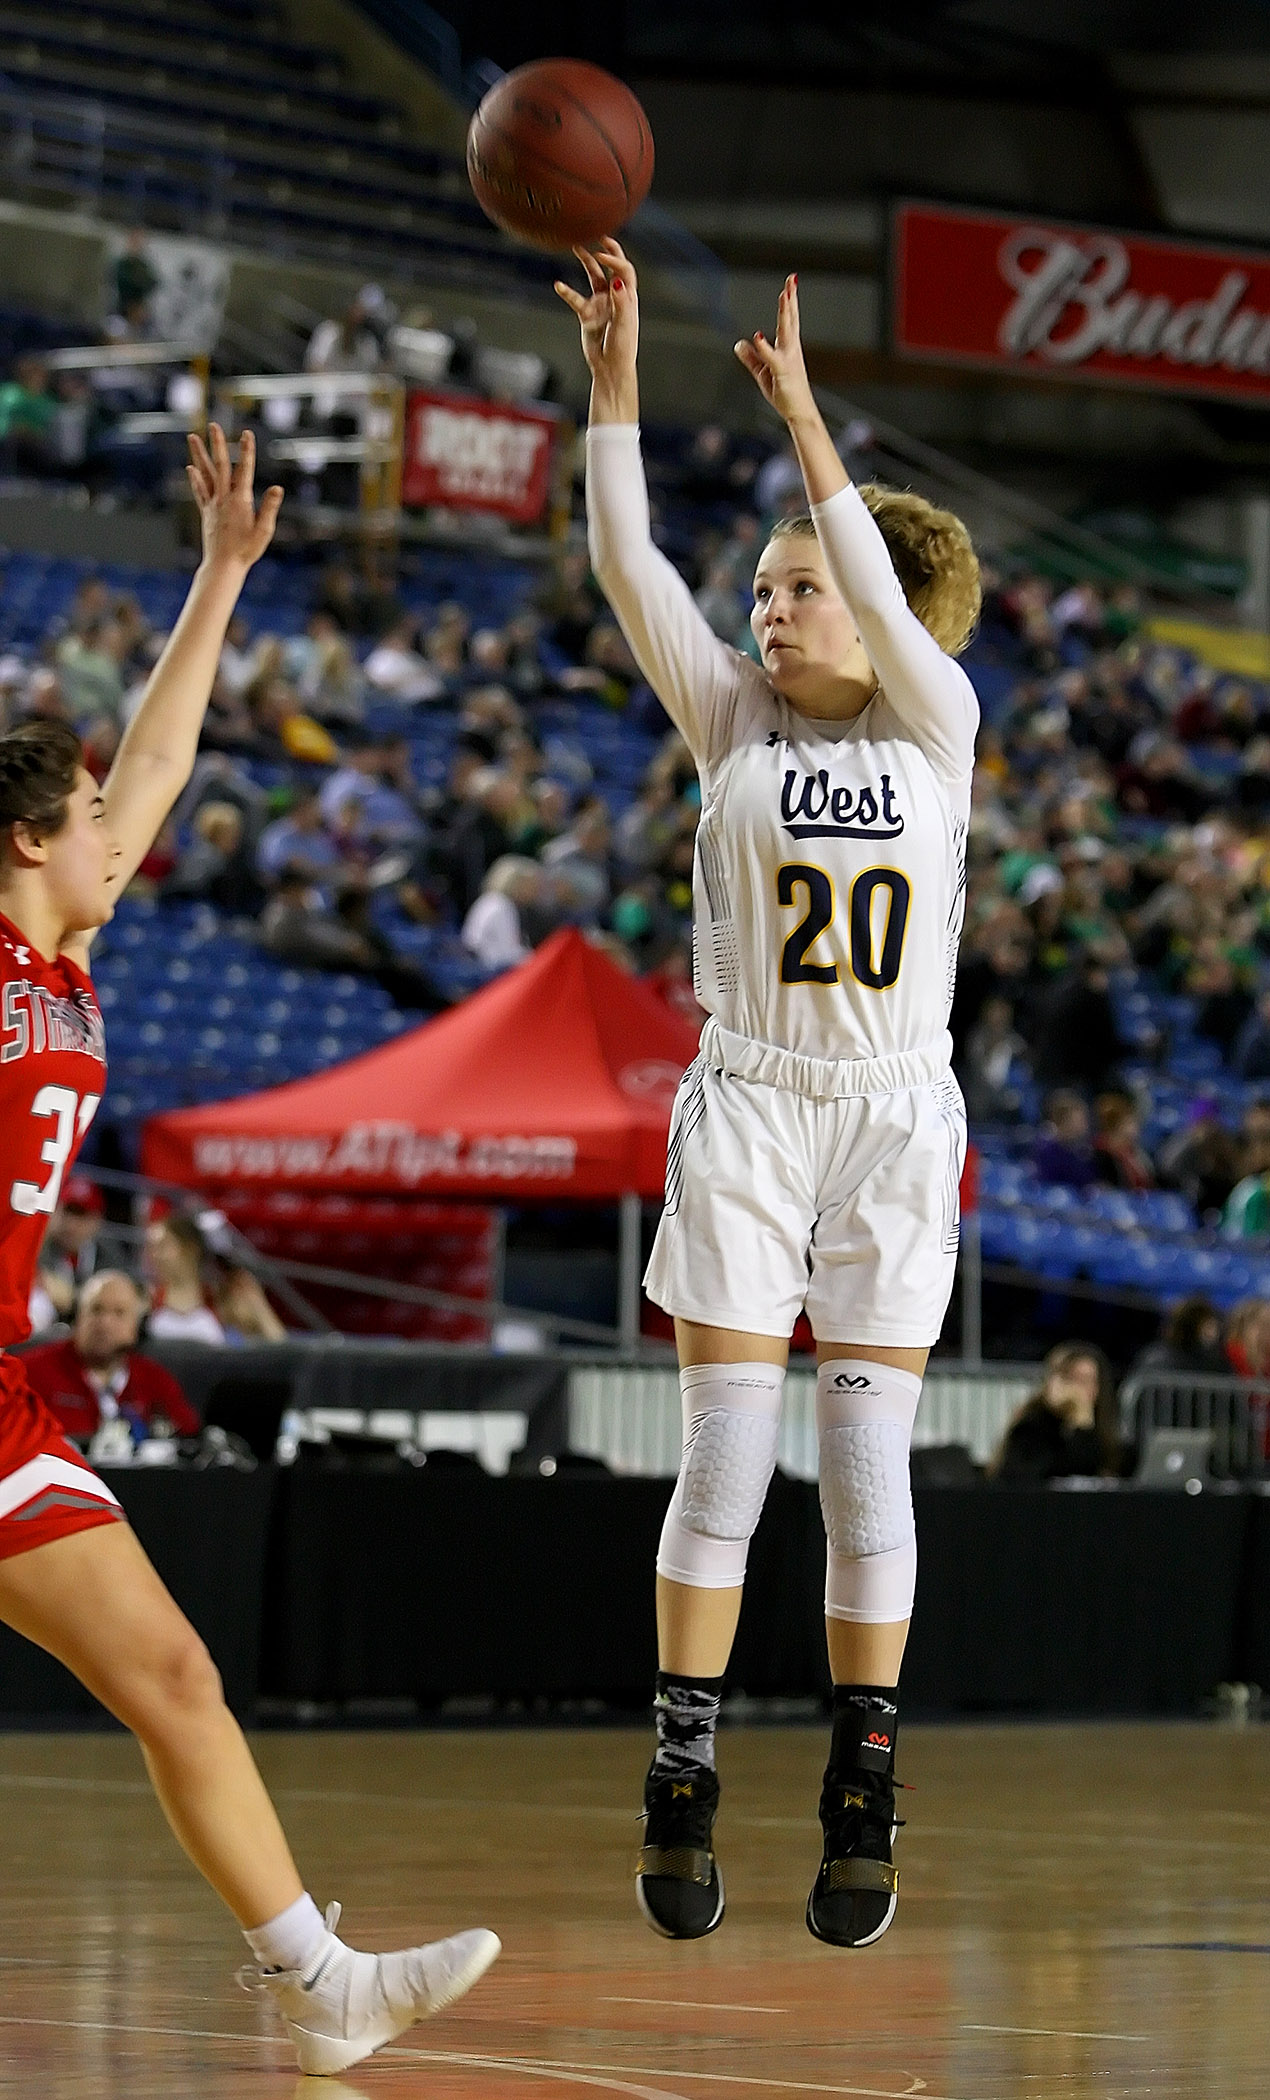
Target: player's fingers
245 471
202 477
749 357
220 456
615 263
267 517
575 301
595 275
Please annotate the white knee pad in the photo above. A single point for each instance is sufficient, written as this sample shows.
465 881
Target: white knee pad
731 1423
864 1415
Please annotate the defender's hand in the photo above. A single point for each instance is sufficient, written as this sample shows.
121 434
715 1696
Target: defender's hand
234 530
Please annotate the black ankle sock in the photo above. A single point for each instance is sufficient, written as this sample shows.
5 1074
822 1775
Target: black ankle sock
686 1710
865 1717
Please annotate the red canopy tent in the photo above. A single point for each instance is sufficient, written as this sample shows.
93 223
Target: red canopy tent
554 1081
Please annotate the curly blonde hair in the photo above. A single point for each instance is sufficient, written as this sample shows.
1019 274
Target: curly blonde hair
931 553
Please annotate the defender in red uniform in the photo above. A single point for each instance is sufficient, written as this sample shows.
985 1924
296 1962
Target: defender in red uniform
73 1576
52 1076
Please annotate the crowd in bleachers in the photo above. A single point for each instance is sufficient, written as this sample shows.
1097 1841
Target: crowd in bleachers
410 778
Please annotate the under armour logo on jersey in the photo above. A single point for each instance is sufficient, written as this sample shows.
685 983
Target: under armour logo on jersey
838 812
22 955
775 737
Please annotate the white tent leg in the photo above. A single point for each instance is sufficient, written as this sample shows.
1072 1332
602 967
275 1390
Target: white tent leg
630 1227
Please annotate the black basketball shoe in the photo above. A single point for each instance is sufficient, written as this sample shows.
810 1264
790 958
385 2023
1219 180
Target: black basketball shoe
856 1891
678 1885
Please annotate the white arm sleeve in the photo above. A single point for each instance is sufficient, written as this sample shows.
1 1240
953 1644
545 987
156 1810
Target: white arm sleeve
693 673
930 694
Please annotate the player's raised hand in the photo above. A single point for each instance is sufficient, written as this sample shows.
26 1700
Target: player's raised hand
607 312
234 529
777 368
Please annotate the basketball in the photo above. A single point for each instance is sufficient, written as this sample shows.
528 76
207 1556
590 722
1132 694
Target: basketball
559 153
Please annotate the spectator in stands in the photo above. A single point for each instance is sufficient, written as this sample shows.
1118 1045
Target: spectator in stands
1224 1003
1074 1038
136 280
71 1251
1190 1342
1063 1153
494 929
352 342
198 1296
176 1258
300 846
1119 1159
583 852
395 670
1252 1048
1202 1160
376 778
97 1373
1247 1340
325 672
406 983
218 863
993 1048
1247 1211
90 669
1068 1427
297 927
28 417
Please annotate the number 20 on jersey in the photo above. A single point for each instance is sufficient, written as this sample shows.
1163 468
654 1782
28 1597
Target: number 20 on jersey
875 962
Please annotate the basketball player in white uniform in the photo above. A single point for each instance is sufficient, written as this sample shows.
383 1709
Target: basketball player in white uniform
817 1141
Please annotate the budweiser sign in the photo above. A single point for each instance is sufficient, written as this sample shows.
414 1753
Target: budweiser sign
467 454
1038 296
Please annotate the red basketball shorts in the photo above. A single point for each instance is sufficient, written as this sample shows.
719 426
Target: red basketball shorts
46 1490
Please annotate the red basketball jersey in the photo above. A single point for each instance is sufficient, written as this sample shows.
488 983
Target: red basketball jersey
52 1076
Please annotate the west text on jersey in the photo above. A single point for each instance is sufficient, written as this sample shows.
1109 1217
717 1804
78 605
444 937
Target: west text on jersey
826 811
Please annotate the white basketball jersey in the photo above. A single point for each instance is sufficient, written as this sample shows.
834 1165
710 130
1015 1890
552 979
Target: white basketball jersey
830 865
829 886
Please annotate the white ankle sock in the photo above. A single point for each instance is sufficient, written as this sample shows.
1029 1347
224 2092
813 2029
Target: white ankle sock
290 1940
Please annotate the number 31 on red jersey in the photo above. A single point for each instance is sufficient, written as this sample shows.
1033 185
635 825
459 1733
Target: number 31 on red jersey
70 1115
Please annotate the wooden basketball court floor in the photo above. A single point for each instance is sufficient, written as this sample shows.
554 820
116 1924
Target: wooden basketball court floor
1085 1915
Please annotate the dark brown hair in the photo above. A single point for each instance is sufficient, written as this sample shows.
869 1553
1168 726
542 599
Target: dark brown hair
40 763
931 553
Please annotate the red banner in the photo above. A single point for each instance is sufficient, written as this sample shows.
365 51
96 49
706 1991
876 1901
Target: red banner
1039 296
469 454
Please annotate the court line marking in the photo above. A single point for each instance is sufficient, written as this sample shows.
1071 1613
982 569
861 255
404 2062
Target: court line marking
1070 2034
768 2085
693 2005
567 2074
530 2065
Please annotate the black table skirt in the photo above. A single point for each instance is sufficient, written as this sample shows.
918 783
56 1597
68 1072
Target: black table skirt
1028 1601
207 1534
334 1587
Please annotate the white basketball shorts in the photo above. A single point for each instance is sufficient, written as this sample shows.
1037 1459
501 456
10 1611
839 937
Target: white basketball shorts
777 1201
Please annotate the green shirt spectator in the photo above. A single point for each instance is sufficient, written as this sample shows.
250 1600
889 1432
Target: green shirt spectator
27 408
1247 1212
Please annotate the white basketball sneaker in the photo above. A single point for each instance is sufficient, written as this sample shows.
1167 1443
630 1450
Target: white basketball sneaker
348 2004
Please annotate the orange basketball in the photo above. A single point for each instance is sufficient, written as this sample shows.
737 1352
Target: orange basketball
559 152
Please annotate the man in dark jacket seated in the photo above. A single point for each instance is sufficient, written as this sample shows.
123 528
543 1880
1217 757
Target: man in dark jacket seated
97 1374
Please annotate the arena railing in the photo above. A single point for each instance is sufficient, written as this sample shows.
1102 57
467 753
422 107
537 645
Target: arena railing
1235 1412
632 1418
